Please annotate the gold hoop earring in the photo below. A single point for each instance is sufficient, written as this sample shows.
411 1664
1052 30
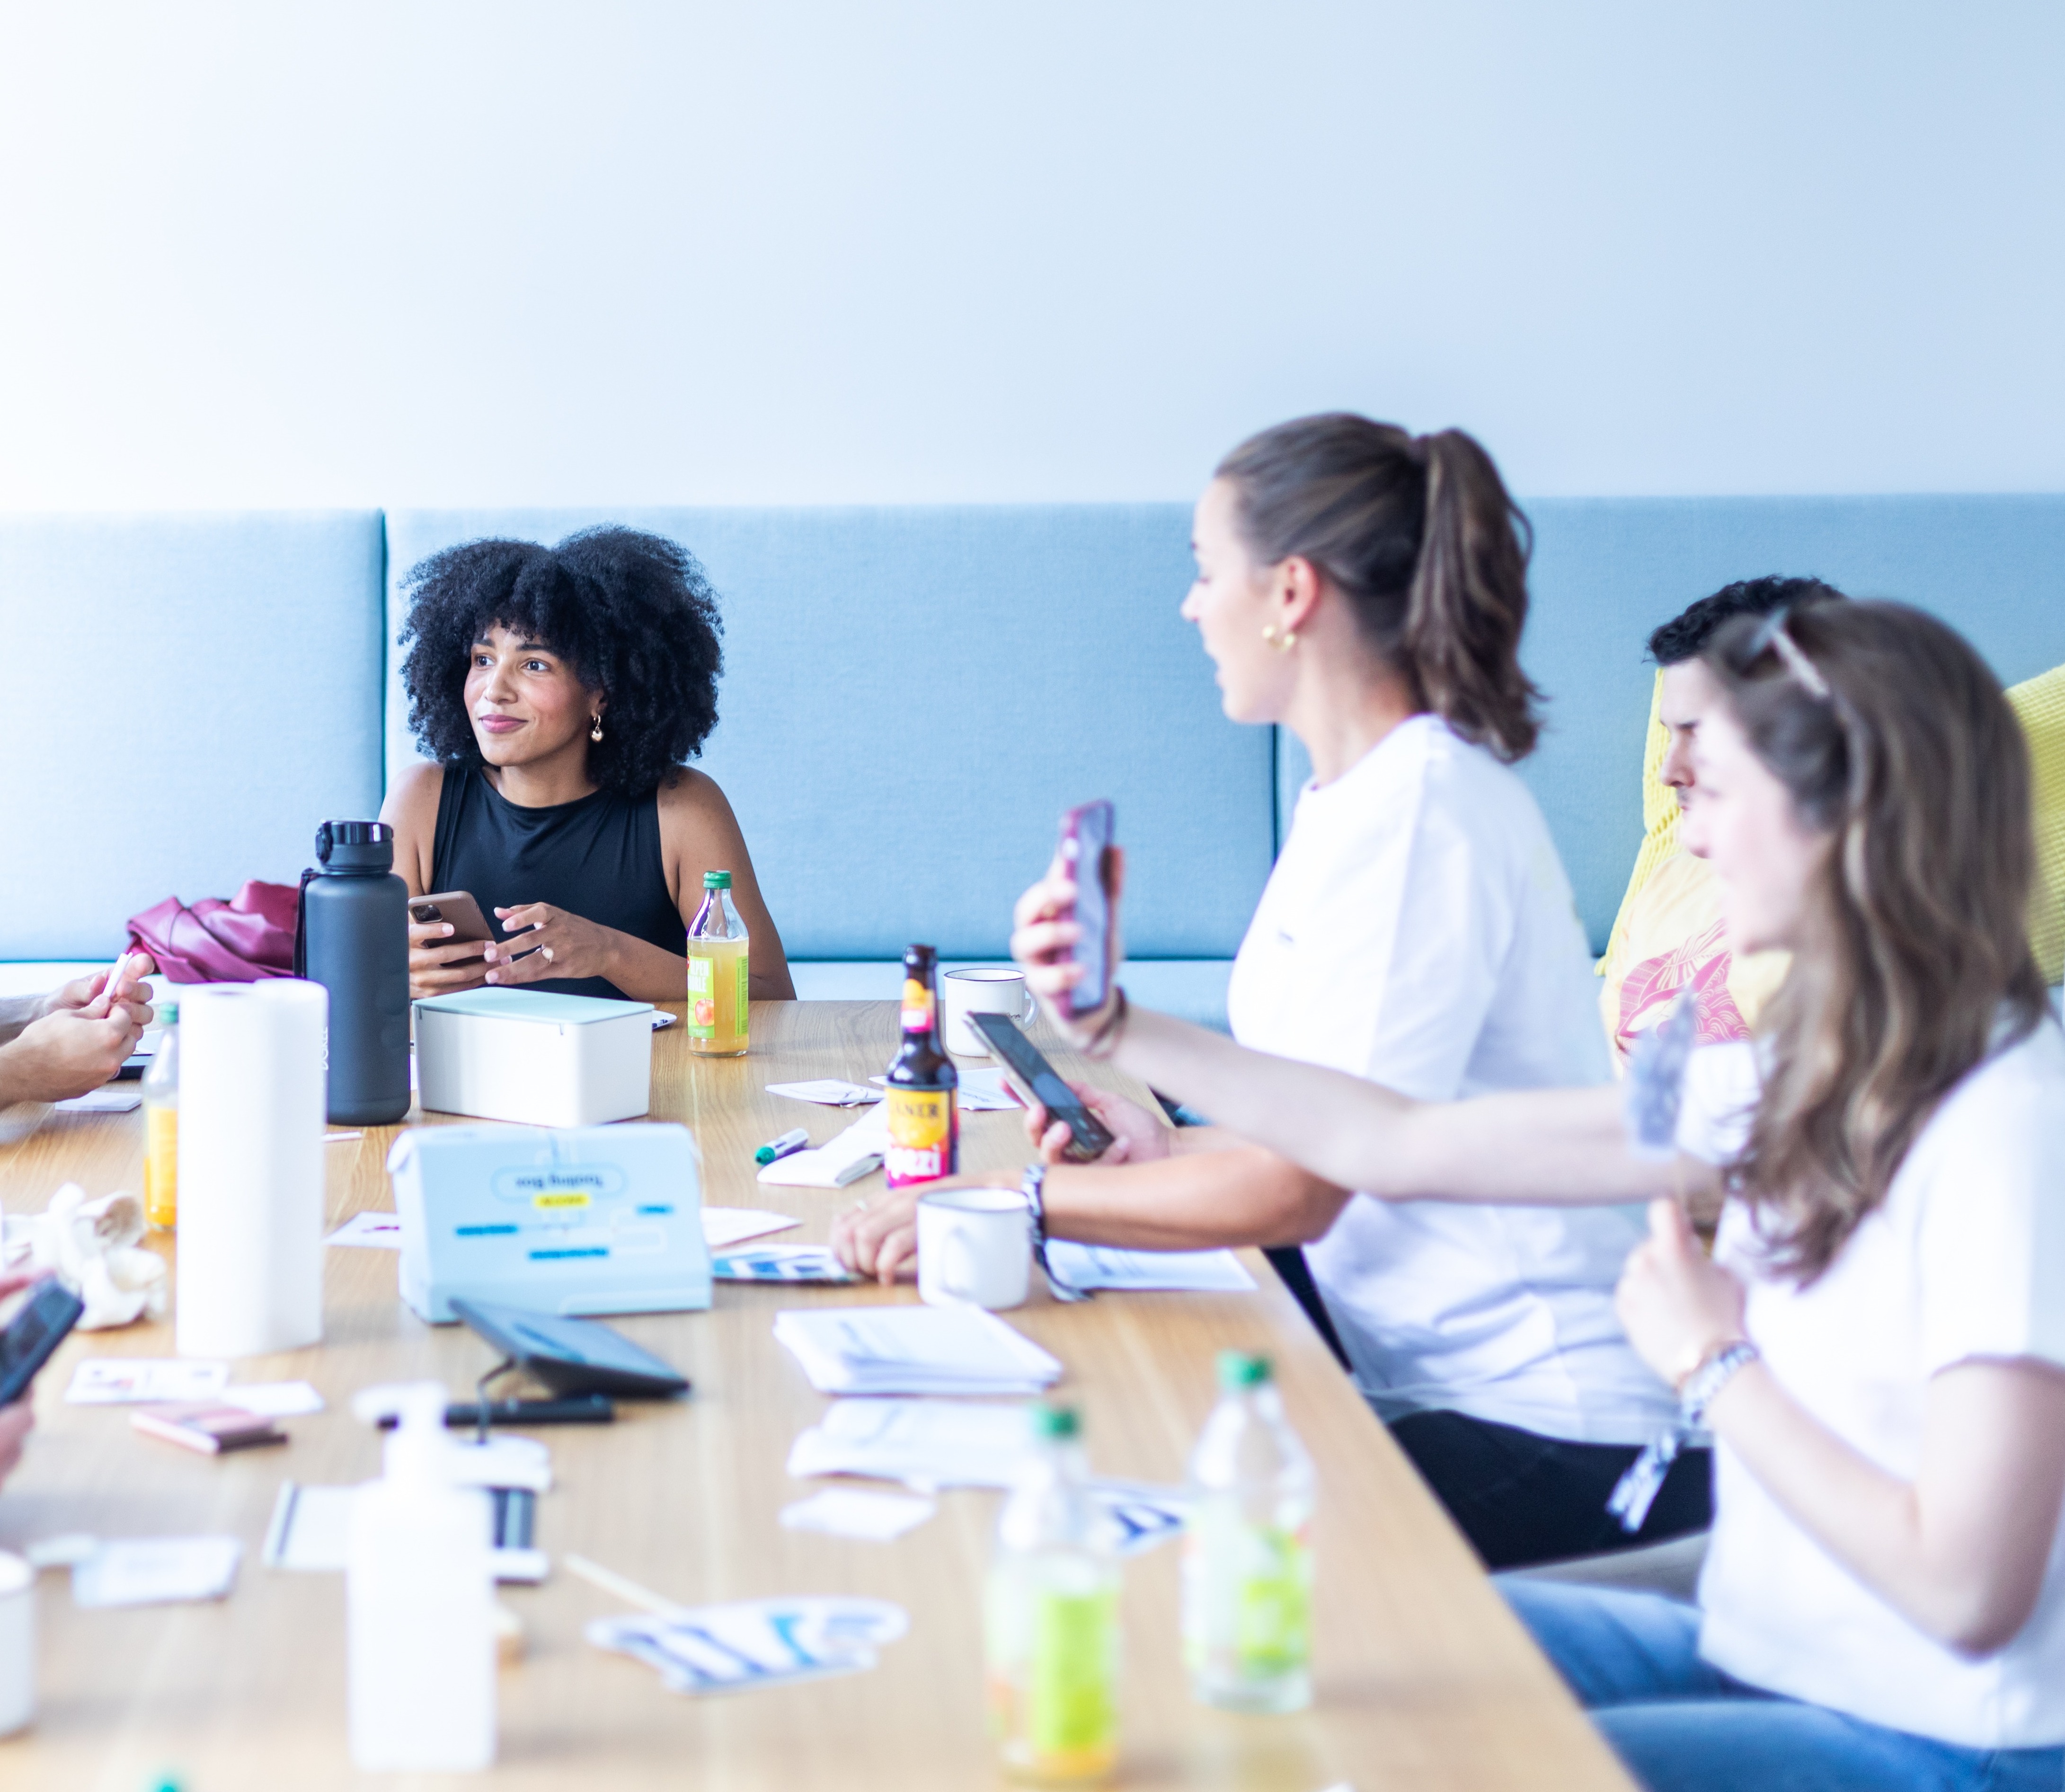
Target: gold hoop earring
595 733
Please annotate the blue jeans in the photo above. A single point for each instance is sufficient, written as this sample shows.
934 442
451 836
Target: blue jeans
1680 1724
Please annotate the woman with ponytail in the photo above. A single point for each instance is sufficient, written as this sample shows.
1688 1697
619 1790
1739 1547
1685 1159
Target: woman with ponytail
1877 1342
1366 589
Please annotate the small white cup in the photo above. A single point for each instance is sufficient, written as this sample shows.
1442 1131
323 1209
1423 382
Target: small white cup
983 989
17 1643
975 1248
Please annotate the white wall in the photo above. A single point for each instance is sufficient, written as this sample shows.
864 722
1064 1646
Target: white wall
490 251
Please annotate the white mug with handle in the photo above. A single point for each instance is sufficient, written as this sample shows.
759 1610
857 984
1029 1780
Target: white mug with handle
983 989
975 1248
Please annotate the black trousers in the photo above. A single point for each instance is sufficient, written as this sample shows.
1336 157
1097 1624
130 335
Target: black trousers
1522 1498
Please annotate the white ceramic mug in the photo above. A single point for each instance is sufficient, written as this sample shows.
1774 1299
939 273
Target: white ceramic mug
983 989
17 1643
975 1248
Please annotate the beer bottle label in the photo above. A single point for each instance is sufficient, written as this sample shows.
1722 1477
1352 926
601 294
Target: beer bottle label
917 1006
921 1133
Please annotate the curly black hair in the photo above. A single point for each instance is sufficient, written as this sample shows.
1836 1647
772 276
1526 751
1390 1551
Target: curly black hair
632 614
1685 636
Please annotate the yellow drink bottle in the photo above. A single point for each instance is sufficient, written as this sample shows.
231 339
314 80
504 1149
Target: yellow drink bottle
161 1125
720 998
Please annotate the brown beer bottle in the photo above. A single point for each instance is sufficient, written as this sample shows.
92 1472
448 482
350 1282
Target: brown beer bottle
924 1123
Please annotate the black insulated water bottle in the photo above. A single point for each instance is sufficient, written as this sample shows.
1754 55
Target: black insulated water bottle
354 925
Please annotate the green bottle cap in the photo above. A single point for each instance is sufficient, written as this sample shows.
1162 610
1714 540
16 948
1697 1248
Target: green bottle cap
717 880
168 1013
1055 1424
1237 1369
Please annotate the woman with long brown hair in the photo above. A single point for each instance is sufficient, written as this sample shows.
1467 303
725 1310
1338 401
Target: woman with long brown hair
1877 1342
1366 588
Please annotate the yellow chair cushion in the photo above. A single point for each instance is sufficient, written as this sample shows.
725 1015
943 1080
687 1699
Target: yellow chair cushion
2039 702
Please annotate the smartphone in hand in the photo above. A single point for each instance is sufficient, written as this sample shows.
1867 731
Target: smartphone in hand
458 907
1086 837
38 1328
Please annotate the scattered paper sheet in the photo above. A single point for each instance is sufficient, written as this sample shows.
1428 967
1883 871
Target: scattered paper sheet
981 1092
1088 1266
726 1225
913 1349
116 1381
929 1445
761 1642
828 1092
850 1512
378 1231
156 1571
852 1154
793 1263
115 1098
274 1399
310 1533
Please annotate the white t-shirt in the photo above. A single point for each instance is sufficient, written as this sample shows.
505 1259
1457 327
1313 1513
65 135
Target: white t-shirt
1964 1259
1418 930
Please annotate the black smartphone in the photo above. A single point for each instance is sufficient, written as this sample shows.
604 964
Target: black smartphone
38 1328
1086 833
1026 1069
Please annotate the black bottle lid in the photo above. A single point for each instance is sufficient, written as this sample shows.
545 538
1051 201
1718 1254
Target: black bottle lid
364 848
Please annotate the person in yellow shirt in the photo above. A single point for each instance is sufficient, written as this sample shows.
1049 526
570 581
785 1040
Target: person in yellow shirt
1668 936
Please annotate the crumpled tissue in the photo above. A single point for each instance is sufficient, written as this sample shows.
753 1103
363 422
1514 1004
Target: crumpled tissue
92 1247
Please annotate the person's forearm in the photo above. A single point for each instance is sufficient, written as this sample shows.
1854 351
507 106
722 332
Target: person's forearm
1968 1584
18 1011
646 972
1549 1145
1239 1196
11 1090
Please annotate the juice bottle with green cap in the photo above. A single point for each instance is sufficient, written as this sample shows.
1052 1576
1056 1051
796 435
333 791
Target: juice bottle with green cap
1051 1618
720 1002
1247 1549
161 1123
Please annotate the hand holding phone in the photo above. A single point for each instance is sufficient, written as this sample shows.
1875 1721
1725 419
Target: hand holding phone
1086 856
457 908
38 1329
1036 1082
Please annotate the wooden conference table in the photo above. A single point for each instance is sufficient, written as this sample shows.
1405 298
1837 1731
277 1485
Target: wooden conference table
1422 1678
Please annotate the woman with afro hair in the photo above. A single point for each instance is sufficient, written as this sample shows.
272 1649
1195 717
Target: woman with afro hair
558 691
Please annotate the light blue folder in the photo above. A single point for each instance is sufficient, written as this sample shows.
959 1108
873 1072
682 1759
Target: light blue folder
589 1219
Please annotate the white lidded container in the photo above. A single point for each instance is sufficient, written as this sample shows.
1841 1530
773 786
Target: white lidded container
419 1600
534 1057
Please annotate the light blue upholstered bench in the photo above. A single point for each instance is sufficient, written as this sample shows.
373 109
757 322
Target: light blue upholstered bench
911 695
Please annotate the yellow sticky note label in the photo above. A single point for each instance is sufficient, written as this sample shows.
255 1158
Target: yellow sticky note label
560 1203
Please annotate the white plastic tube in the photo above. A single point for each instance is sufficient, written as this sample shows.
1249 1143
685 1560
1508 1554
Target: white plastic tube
252 1095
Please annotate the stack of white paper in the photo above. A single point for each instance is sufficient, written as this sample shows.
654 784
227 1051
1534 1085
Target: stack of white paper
917 1441
854 1153
1087 1266
913 1349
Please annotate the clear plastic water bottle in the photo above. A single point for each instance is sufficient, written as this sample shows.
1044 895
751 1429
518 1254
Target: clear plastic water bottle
1051 1618
1247 1550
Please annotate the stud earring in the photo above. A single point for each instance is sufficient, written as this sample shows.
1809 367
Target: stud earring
595 733
1282 642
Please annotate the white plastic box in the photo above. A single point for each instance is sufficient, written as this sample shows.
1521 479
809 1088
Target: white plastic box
539 1058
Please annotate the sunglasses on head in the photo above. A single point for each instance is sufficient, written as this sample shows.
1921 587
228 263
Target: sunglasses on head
1772 637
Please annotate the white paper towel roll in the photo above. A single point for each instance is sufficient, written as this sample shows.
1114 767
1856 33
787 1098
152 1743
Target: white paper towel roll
252 1104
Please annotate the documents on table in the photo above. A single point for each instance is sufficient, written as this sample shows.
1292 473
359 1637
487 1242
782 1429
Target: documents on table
923 1443
931 1445
981 1092
1087 1266
156 1571
117 1380
913 1349
274 1399
852 1154
310 1533
726 1225
828 1092
851 1512
111 1098
790 1263
379 1231
758 1642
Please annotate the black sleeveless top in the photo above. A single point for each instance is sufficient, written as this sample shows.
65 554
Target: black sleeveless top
597 857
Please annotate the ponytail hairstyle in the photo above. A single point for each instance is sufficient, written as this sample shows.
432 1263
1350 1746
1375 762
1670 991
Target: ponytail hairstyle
1893 738
1418 534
